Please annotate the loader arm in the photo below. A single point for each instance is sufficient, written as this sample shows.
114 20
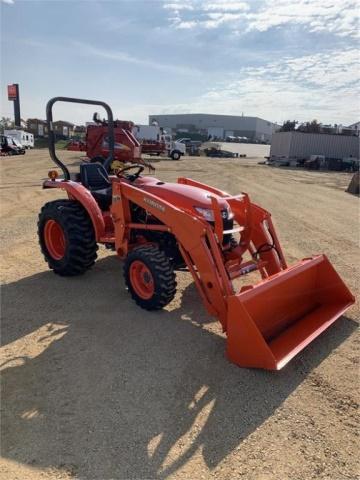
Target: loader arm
195 237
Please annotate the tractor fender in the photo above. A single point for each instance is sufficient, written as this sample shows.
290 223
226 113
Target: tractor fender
77 192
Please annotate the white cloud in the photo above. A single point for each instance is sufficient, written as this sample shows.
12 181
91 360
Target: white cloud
206 14
178 6
186 25
215 5
331 16
217 19
9 2
225 6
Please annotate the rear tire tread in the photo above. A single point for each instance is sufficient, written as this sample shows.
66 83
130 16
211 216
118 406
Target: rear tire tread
81 249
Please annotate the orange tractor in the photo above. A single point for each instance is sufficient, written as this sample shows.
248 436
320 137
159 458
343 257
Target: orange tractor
158 228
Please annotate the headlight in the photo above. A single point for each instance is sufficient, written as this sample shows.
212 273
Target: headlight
227 214
207 213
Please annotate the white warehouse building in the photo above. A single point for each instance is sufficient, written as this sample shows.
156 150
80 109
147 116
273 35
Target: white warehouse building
218 126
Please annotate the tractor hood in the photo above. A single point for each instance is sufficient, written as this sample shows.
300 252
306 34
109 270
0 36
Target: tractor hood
185 197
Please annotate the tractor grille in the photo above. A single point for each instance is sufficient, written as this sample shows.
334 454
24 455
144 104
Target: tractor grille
228 224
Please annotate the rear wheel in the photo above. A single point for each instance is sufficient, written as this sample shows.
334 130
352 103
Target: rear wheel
66 237
150 277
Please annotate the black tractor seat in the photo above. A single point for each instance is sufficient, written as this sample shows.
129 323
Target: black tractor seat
95 178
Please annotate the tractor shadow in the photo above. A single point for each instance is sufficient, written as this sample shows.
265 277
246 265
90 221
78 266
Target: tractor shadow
103 389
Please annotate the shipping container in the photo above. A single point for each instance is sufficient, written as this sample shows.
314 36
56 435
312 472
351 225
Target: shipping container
301 145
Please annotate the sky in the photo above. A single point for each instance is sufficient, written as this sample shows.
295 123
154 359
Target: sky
276 59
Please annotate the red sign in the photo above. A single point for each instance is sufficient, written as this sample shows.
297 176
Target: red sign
12 92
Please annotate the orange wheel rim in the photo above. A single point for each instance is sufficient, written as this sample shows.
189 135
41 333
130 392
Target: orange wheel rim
54 239
141 280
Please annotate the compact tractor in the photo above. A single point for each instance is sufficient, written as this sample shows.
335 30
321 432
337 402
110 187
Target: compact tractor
158 228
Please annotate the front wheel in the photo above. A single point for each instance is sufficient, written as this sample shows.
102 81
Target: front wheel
175 155
67 237
150 277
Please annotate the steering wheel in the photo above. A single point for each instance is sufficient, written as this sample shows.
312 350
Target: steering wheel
135 175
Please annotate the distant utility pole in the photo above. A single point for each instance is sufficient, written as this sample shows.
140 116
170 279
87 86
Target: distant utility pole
14 96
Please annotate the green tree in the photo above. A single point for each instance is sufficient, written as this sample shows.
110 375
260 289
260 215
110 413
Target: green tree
310 127
6 123
288 126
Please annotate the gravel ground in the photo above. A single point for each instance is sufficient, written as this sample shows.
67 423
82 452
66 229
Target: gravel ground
95 388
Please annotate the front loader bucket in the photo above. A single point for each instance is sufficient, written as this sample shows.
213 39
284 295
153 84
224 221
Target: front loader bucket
276 319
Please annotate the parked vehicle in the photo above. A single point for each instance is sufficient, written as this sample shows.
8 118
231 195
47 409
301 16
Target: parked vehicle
17 144
233 139
173 148
154 141
26 139
10 146
219 153
213 149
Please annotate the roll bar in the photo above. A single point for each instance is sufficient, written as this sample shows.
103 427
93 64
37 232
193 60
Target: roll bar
49 120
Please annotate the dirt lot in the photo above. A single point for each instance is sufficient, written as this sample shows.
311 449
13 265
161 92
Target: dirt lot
95 388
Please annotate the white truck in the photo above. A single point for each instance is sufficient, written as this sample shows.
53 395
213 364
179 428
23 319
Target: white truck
26 139
155 141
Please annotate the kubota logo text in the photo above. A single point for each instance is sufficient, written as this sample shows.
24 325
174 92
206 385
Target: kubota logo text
154 204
